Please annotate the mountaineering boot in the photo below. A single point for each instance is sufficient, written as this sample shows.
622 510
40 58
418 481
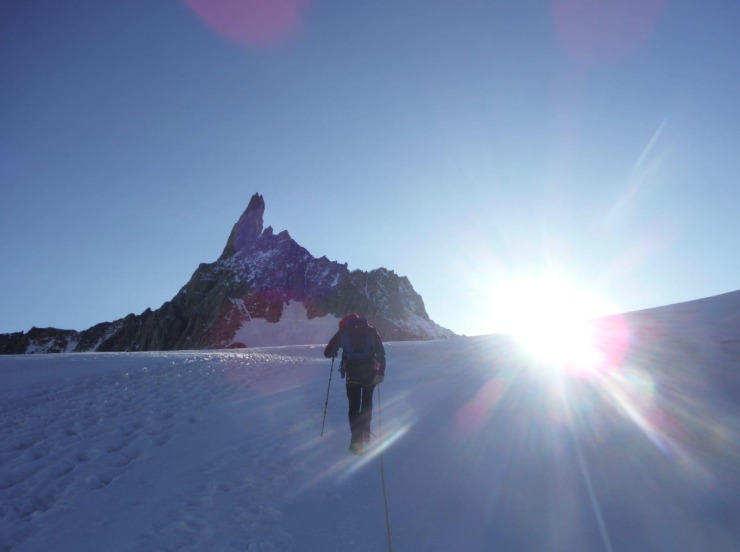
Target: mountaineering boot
355 448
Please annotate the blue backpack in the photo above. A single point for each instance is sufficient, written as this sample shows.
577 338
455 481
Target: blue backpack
357 340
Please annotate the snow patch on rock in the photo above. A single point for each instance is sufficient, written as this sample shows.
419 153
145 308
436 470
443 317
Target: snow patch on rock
294 327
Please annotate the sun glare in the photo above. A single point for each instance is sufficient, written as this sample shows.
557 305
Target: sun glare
551 319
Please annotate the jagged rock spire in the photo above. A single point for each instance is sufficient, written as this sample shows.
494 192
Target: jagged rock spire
247 229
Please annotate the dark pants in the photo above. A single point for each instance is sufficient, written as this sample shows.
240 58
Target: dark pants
360 409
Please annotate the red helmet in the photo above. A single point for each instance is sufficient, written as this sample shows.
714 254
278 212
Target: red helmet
349 316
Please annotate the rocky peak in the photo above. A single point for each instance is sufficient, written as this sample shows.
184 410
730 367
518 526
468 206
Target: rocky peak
265 289
247 229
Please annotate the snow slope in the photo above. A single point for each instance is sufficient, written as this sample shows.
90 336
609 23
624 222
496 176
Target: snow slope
483 449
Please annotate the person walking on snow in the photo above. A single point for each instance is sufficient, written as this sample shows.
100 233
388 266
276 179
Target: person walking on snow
363 366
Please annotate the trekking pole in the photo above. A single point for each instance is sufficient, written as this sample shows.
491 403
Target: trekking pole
326 403
382 476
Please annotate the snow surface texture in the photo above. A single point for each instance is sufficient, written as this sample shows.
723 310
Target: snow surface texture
483 450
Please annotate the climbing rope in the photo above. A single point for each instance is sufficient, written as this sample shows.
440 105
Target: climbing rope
382 475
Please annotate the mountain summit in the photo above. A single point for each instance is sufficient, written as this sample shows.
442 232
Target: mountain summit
264 290
247 229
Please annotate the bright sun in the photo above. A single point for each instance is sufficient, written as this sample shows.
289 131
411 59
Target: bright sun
550 318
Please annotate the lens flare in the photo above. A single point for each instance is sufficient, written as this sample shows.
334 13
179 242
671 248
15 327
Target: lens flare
598 31
476 413
251 22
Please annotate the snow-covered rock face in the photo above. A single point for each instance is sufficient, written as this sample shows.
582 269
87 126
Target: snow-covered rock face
264 289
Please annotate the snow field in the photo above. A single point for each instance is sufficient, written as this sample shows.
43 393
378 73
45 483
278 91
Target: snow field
141 435
483 450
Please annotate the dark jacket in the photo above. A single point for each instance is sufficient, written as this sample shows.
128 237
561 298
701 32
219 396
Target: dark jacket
359 371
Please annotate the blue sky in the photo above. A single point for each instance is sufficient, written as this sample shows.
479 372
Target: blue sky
462 144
